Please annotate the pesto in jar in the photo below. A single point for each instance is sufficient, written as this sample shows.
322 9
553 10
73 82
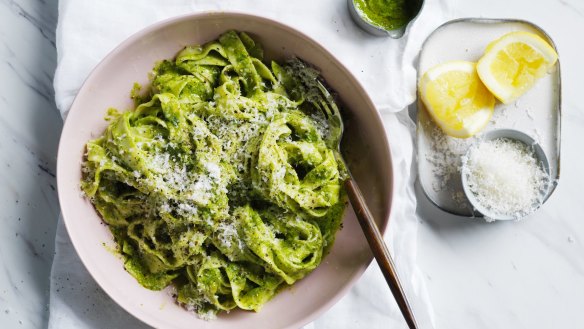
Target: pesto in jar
386 14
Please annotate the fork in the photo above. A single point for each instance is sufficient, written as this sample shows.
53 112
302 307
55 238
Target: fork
336 127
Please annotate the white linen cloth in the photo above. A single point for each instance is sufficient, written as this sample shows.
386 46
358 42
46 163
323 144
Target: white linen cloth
88 30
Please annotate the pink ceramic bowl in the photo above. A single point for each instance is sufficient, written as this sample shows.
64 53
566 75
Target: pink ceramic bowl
366 150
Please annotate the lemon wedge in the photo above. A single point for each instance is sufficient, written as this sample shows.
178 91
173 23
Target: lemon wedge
512 64
456 98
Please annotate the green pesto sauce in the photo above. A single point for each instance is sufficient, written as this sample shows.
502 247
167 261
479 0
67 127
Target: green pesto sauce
386 14
220 182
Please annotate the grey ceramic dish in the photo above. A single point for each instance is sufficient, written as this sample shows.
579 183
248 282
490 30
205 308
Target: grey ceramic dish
537 113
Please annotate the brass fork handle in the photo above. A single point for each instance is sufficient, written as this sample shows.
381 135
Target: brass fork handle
379 249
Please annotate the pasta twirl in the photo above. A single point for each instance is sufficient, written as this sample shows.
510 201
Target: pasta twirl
219 182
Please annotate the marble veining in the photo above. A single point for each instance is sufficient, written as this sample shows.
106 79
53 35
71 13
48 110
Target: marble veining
45 24
571 6
527 274
29 130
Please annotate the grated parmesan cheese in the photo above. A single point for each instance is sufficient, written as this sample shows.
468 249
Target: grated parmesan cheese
214 170
227 232
505 177
444 156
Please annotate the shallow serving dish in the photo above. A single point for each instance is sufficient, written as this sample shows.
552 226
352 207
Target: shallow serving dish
536 113
109 86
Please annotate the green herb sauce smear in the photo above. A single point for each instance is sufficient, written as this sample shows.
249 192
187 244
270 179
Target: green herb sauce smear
386 14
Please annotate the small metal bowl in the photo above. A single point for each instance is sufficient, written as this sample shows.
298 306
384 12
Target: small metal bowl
516 136
363 23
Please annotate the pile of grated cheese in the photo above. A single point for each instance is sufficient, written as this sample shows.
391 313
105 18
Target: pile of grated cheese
505 177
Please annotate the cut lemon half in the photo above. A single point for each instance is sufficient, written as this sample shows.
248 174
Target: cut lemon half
512 64
456 98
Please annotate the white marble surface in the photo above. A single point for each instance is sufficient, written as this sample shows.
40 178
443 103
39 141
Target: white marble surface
527 274
29 130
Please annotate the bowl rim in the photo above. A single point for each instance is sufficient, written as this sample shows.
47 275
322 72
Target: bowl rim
68 128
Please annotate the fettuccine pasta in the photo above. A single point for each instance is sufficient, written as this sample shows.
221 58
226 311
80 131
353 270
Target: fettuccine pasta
220 181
